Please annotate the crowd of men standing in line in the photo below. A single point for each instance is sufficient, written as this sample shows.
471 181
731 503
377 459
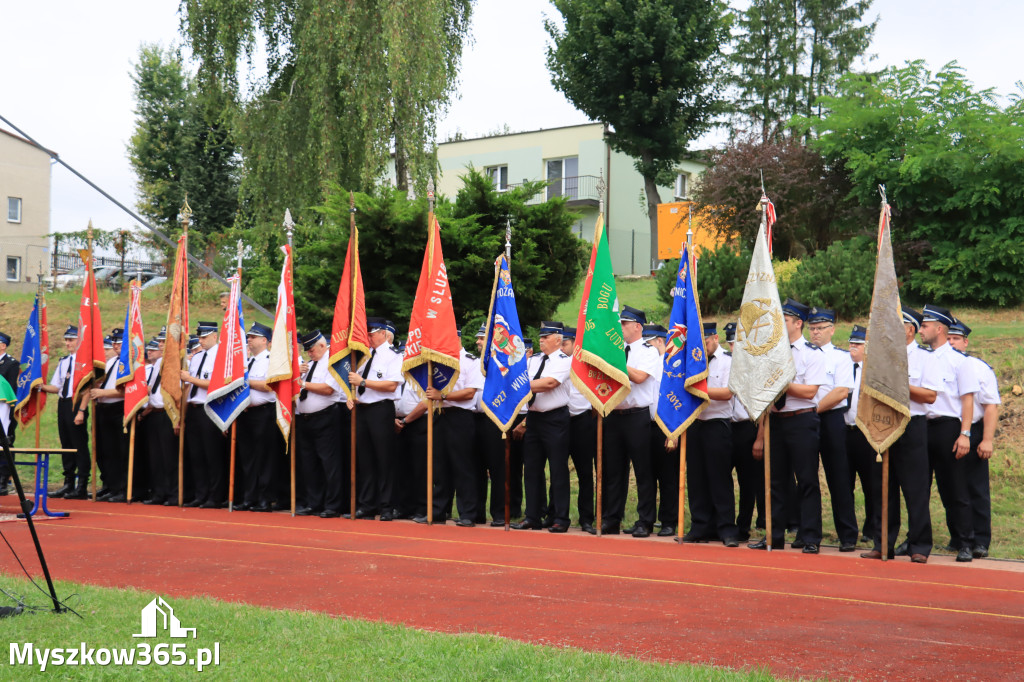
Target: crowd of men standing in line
954 411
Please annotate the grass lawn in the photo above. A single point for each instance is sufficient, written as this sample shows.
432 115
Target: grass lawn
260 644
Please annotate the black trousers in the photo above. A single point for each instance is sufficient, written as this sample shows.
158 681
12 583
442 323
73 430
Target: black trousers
455 474
207 462
749 476
162 450
627 440
547 442
794 450
112 446
259 444
709 479
832 446
490 467
978 489
583 452
412 460
666 476
321 471
862 464
375 447
951 479
908 471
74 436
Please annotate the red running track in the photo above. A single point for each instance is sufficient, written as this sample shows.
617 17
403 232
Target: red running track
829 615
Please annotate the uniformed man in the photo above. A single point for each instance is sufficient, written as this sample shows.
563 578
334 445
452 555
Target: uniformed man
411 487
749 472
111 441
207 446
9 370
161 441
547 433
949 427
72 422
259 439
861 455
709 446
832 404
627 433
664 454
794 438
320 414
376 382
908 456
490 455
582 440
983 431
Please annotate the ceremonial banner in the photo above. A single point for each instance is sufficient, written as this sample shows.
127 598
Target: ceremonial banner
506 378
177 336
283 370
35 364
883 409
348 331
432 336
89 356
684 381
131 368
228 394
598 356
769 214
762 361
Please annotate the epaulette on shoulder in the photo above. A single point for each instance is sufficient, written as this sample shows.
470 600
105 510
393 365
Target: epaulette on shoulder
471 356
647 345
925 348
812 346
562 355
845 350
728 352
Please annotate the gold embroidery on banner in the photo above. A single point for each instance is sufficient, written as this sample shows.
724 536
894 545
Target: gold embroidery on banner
755 327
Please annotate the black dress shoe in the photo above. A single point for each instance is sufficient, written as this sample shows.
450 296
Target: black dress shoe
210 504
77 494
261 507
731 542
797 544
760 544
387 516
528 524
558 528
497 523
979 552
170 503
329 514
902 550
587 527
873 554
640 530
964 555
421 518
847 547
61 492
244 506
810 548
667 531
102 492
153 500
193 503
547 522
304 511
694 537
610 529
465 523
119 497
364 514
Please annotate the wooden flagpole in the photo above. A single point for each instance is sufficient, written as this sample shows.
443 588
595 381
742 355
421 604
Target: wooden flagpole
352 413
430 446
92 402
234 424
682 488
131 457
885 506
186 214
289 227
600 468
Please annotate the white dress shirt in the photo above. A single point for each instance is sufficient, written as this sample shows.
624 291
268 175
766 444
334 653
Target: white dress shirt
988 388
110 382
719 366
810 370
470 376
644 357
314 402
257 371
923 374
957 377
838 372
204 358
385 365
65 366
156 399
556 367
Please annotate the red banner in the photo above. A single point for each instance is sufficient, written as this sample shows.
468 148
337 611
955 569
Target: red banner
89 356
136 390
348 331
177 335
283 370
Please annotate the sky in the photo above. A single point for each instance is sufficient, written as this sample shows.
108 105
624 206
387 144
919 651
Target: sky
65 68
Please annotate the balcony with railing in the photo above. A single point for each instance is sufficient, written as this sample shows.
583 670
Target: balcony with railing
579 191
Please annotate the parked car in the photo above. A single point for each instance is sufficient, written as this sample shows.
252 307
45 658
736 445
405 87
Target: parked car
153 281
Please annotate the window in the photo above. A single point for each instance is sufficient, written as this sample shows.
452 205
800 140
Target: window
563 177
13 210
499 174
14 268
682 180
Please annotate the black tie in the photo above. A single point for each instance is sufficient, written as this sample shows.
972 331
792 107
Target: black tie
199 374
67 379
309 375
366 370
249 368
540 370
106 377
156 384
849 398
627 352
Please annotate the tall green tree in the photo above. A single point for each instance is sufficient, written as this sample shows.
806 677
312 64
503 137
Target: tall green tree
650 68
181 145
836 36
345 82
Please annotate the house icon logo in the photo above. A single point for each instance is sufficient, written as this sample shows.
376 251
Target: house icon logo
158 615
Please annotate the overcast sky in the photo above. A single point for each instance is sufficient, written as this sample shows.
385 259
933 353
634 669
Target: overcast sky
66 76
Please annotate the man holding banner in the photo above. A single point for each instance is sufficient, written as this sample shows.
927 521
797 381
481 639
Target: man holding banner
206 444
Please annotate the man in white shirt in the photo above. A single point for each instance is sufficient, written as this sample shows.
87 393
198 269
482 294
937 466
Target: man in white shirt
983 430
375 383
72 422
582 440
627 433
206 473
111 441
319 435
708 454
664 454
859 453
794 439
162 444
259 439
749 471
547 433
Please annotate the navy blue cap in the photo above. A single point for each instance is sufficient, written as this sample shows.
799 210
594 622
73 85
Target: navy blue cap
654 330
309 340
730 332
162 334
819 315
458 331
258 329
550 327
482 331
631 314
795 308
710 328
117 334
376 324
71 332
933 313
193 341
108 342
958 328
153 344
911 316
4 338
528 343
204 328
858 334
569 333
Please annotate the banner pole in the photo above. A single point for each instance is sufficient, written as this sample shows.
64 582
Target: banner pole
682 488
182 410
291 449
231 472
186 213
92 403
352 450
767 480
600 468
430 446
885 506
131 457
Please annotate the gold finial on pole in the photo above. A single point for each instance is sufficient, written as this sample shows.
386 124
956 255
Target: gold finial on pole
430 193
185 213
289 225
600 192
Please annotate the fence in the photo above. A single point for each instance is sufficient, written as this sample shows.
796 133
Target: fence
66 262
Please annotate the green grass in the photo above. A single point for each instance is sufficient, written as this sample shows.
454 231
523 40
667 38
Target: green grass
262 644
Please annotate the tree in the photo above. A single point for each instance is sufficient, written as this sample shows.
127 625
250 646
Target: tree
649 68
836 38
180 145
811 196
345 80
952 161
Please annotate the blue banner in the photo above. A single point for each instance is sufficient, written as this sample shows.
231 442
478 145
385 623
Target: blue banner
684 381
228 399
31 374
506 378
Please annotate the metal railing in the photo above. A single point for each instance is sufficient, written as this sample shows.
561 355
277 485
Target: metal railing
573 188
66 262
